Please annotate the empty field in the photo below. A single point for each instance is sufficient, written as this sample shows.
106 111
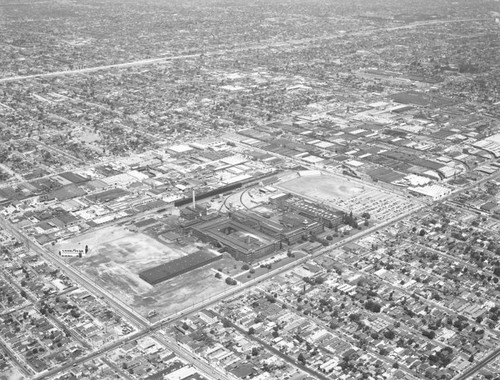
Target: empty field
116 256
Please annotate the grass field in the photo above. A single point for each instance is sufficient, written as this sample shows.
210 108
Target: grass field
117 255
325 188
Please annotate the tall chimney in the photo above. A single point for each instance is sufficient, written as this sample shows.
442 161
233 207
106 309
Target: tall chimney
194 200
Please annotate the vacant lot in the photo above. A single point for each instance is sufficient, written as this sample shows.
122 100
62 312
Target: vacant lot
117 255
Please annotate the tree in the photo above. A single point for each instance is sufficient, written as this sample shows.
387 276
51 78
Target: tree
429 334
301 358
496 271
355 317
389 334
319 280
74 313
373 306
334 325
270 298
383 351
251 331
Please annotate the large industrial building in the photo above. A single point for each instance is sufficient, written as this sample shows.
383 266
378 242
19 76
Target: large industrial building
327 217
178 266
289 227
242 241
249 236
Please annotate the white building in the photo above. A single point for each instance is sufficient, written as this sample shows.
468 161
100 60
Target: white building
73 252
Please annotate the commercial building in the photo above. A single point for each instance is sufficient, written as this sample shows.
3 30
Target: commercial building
74 252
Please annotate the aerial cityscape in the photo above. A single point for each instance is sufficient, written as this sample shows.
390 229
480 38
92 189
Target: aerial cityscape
249 189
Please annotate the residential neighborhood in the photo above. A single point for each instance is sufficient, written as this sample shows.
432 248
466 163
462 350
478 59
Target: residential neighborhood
285 190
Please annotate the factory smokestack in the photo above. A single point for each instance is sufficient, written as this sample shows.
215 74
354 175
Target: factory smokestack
194 199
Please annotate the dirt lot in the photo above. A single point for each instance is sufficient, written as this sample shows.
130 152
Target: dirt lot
11 374
117 255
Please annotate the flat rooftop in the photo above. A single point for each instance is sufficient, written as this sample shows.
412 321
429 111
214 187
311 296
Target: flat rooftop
178 266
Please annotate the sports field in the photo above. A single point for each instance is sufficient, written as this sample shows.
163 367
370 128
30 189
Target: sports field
324 188
117 255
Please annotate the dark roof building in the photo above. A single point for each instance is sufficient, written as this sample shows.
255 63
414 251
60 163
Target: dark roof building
177 267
